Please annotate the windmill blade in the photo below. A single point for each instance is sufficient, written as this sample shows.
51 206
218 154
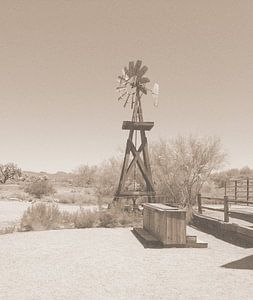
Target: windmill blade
126 100
126 71
120 88
143 90
121 97
137 66
142 71
122 80
131 68
144 80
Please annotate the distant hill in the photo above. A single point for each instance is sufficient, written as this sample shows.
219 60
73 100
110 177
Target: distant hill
56 177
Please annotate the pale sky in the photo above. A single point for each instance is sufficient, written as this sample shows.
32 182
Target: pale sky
60 60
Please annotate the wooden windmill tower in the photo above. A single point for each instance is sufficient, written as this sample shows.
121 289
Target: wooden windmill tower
132 86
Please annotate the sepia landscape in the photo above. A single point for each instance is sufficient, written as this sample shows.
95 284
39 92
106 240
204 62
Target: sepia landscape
126 166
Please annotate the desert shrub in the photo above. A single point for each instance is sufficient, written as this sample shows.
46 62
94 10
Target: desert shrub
40 187
64 199
107 177
9 171
126 219
85 176
6 230
107 219
130 219
81 218
41 216
79 198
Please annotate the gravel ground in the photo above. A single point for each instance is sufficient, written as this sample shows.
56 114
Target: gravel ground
112 264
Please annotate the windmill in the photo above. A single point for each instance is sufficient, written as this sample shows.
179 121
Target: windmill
132 86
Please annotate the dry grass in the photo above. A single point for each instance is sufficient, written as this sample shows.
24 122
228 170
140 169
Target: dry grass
75 198
64 195
80 219
43 216
7 230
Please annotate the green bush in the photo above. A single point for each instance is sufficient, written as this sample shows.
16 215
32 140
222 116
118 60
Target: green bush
40 187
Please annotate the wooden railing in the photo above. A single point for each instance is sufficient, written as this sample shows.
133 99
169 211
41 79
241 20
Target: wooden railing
225 201
239 189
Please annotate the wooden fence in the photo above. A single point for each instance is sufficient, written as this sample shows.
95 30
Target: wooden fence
225 204
240 190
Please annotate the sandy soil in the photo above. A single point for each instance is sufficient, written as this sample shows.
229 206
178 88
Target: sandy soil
112 264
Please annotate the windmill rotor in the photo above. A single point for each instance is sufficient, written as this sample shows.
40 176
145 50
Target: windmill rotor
132 81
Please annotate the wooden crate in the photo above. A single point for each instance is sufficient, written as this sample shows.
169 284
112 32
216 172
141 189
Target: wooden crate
167 224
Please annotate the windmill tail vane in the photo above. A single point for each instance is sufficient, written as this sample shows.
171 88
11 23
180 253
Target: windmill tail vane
132 84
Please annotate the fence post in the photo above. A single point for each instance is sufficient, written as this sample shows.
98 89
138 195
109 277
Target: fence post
199 204
235 191
226 211
247 191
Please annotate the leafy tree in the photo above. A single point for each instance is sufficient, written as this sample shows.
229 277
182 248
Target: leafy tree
85 175
246 172
219 178
107 177
9 171
182 165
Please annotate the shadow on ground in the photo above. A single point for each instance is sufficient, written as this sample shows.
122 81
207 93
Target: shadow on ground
245 263
231 238
145 244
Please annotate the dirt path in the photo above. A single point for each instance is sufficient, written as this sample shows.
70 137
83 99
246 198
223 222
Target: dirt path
112 264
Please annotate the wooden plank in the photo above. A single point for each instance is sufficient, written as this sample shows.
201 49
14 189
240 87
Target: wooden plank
146 160
136 193
125 165
128 125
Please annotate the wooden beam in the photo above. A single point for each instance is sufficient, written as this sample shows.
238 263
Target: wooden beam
125 163
143 169
136 157
128 125
135 193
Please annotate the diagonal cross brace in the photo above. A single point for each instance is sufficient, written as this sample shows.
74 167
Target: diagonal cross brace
140 164
137 156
